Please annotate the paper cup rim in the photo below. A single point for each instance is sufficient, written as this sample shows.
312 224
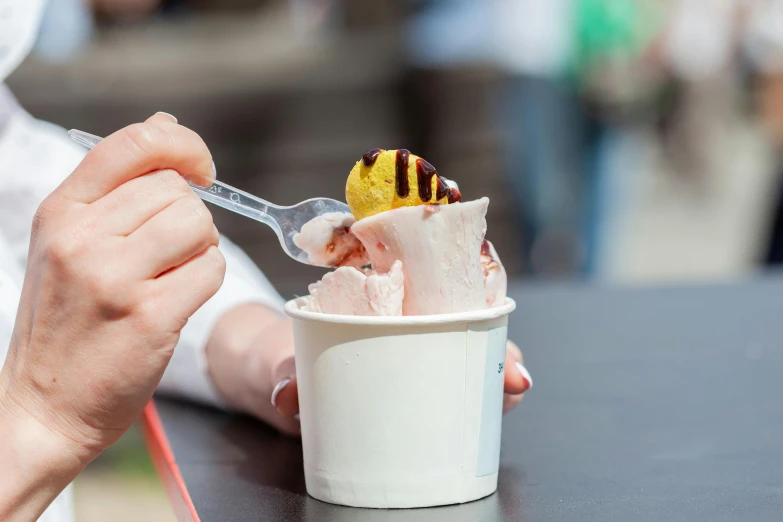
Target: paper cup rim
292 308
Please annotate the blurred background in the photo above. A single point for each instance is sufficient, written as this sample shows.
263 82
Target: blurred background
633 141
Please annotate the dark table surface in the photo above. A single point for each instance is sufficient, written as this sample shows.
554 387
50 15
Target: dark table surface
648 404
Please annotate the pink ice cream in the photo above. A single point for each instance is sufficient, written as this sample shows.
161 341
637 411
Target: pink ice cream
448 266
495 279
440 246
348 291
328 241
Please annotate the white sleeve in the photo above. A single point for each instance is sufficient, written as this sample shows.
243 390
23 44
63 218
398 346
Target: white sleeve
35 157
9 299
187 373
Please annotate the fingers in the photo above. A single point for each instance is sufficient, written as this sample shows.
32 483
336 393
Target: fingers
511 401
171 237
134 203
162 117
284 401
250 357
201 276
285 397
274 390
513 350
517 379
141 148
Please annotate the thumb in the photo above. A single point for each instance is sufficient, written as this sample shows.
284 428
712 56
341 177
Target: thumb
285 396
271 378
251 362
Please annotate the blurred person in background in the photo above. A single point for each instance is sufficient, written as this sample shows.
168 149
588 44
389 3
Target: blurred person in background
708 46
618 75
700 52
538 110
67 25
442 37
541 121
763 43
67 349
580 69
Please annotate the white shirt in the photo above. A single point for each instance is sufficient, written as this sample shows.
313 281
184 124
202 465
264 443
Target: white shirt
763 38
34 158
533 37
703 35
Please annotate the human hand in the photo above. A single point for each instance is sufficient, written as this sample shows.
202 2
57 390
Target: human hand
251 351
121 255
251 360
517 378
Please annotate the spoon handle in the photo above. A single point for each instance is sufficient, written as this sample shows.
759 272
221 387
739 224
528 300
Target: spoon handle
218 193
237 201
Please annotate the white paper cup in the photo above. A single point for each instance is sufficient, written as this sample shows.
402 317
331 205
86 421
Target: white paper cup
400 412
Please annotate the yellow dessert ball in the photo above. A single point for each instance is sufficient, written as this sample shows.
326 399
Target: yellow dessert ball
373 188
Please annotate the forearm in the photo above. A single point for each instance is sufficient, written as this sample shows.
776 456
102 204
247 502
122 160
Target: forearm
35 463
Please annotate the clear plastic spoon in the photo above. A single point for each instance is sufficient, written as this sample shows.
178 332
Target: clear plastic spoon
285 221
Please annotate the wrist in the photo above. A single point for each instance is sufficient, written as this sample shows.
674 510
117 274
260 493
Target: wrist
231 342
36 462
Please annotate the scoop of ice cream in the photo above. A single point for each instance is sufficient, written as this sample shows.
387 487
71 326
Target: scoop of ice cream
328 241
348 291
440 246
495 279
387 179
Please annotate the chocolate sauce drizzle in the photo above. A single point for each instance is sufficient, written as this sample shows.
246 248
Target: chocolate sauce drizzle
486 250
424 172
401 168
370 157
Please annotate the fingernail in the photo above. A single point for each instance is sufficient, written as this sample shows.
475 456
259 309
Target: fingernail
173 118
199 181
525 375
280 385
214 169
